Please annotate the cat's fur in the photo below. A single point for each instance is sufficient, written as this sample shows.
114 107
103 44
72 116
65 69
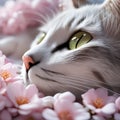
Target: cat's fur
95 64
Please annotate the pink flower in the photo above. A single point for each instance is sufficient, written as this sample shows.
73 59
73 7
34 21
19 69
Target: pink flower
25 99
8 72
16 13
66 109
99 101
2 87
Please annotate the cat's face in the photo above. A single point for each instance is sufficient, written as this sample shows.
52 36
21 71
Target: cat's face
80 50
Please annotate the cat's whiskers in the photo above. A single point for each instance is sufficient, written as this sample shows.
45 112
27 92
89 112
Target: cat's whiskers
36 20
40 17
86 82
80 83
68 81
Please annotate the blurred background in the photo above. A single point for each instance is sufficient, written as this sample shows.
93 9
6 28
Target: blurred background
2 2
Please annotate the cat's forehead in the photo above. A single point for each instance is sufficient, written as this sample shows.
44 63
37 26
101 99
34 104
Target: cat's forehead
75 19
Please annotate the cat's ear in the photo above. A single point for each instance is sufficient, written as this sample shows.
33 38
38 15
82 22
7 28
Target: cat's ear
64 4
112 5
79 3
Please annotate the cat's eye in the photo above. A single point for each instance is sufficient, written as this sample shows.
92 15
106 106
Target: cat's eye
78 39
41 37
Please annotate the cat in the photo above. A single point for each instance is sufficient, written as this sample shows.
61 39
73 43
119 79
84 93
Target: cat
77 50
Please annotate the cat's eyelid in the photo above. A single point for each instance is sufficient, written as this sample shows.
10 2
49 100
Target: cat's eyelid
42 30
81 30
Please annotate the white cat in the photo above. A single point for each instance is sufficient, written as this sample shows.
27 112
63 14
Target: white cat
77 50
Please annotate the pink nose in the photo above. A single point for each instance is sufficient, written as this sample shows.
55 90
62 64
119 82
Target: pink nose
28 61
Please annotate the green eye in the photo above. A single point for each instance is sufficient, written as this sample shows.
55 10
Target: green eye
78 39
41 37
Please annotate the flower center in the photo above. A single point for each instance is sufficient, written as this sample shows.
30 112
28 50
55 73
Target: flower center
5 74
65 115
98 103
22 100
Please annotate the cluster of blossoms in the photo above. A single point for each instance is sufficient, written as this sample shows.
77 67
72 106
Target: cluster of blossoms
20 102
18 15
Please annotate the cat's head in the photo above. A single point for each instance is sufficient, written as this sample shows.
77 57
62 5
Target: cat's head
77 50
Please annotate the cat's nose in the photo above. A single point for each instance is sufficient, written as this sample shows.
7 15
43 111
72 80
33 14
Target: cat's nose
28 61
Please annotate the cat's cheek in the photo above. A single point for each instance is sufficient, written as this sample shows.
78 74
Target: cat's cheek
32 77
35 79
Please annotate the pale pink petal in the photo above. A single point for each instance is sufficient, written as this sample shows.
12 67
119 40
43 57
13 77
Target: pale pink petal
56 96
30 91
61 105
28 107
89 96
36 104
15 89
67 96
109 109
80 113
24 112
117 102
2 86
82 116
102 93
97 117
49 114
77 105
48 101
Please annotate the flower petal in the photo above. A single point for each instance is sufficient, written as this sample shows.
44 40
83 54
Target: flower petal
49 114
109 109
67 96
30 91
15 89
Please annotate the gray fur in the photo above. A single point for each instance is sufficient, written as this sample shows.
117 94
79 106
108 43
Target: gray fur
95 64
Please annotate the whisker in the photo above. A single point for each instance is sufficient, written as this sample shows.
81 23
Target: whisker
78 81
68 82
39 21
82 88
36 14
